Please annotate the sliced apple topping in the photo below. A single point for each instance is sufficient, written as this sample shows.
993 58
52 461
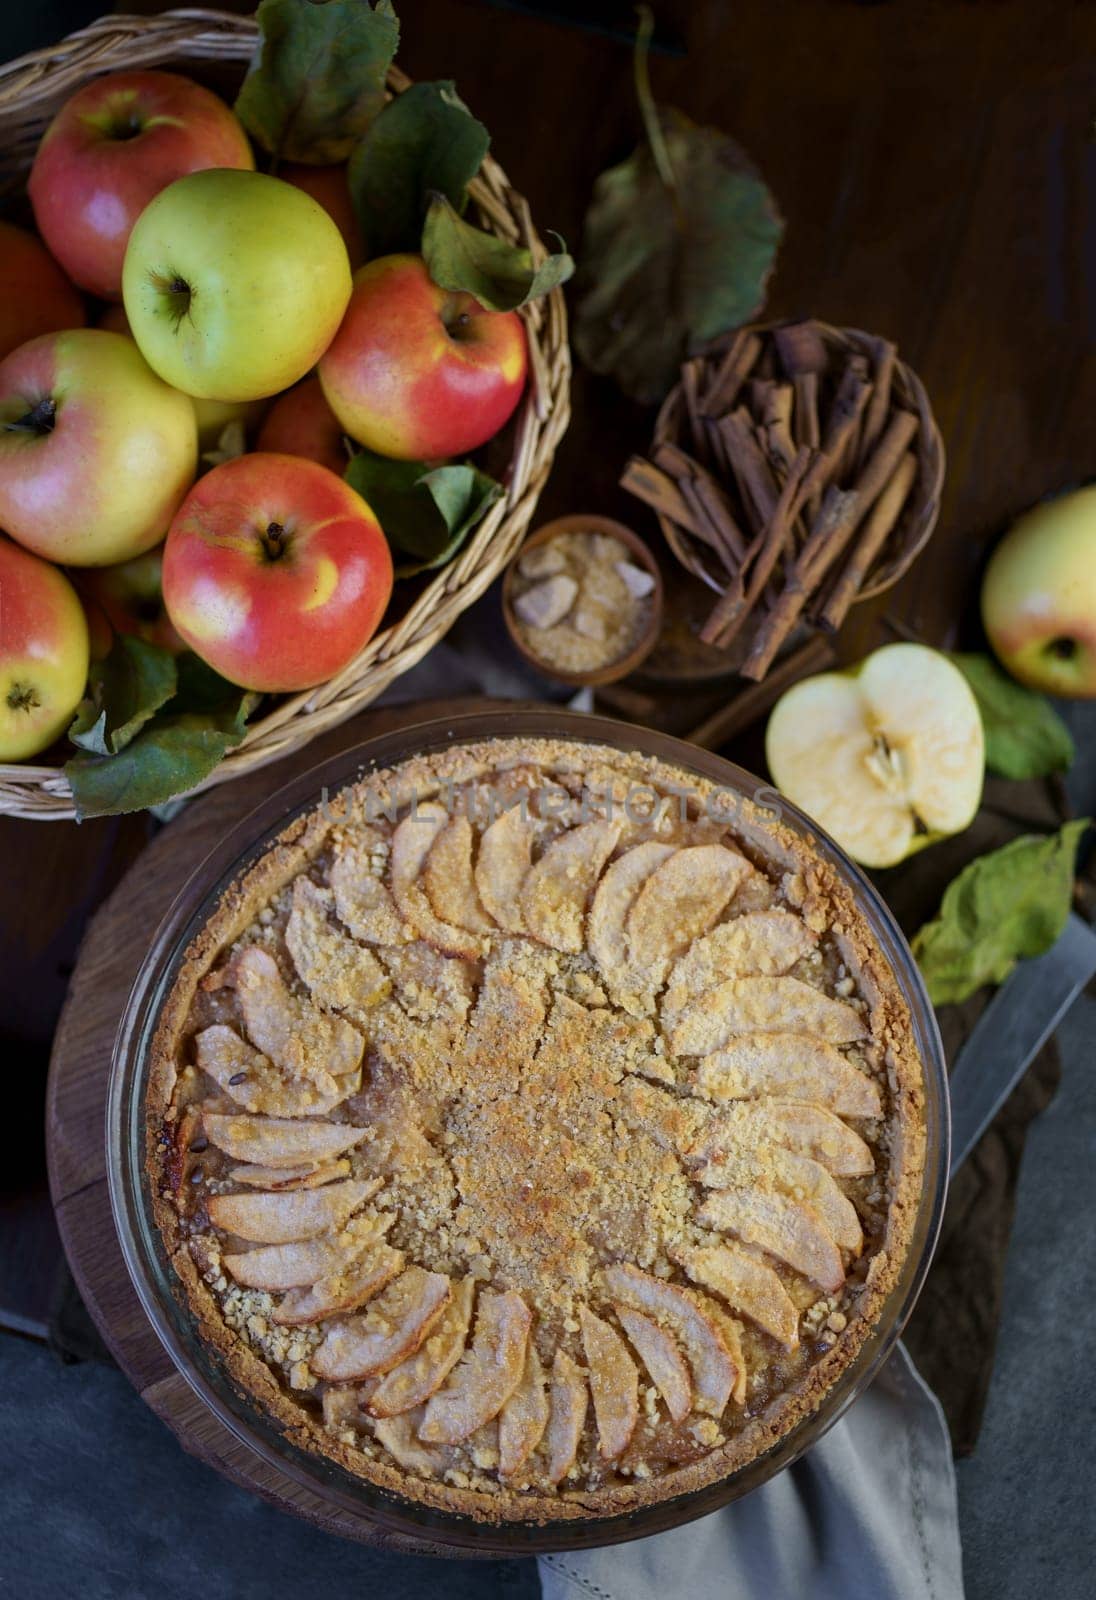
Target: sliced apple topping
787 1229
524 1417
662 1359
449 881
886 758
421 1374
619 885
759 943
393 1328
747 1284
399 1436
505 854
300 1040
279 1141
763 1005
792 1124
306 1176
340 973
680 900
289 1266
614 1384
362 898
282 1218
802 1178
792 1066
353 1280
507 1022
485 1378
556 889
716 1372
411 845
567 1405
256 1085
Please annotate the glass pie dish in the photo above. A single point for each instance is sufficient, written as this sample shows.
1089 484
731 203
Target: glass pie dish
158 1285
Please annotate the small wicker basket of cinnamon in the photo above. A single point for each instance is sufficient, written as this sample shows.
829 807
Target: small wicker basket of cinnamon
795 469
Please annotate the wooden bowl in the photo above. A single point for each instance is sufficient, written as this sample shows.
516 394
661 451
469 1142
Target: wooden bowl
642 555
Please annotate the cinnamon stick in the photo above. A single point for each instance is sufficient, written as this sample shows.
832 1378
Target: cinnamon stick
853 392
803 357
690 378
873 535
743 592
731 374
751 471
656 489
841 514
876 415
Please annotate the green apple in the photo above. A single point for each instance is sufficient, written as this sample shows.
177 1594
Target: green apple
234 284
886 757
1039 597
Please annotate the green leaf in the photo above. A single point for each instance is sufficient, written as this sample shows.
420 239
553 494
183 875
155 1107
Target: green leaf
125 690
425 140
318 79
501 276
1025 736
667 265
1003 907
427 514
174 750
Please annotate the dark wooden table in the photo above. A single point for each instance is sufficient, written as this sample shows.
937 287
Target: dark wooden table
936 165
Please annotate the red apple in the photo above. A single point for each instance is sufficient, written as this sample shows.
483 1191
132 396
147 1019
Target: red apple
276 572
109 151
132 599
329 186
35 295
96 451
417 372
43 652
301 423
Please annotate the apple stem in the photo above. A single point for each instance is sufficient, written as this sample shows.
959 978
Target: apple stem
273 540
39 419
22 697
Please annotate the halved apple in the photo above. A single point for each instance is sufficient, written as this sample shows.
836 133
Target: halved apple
887 757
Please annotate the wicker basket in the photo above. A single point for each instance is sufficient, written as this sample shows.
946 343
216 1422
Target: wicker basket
31 90
920 513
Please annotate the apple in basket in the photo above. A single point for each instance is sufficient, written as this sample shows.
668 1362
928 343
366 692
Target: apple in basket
234 284
35 295
331 187
301 423
886 757
109 151
417 372
1039 596
96 451
43 652
131 597
276 572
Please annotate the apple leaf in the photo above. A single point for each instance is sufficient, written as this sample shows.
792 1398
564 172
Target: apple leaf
426 513
317 80
125 690
1025 736
1003 907
177 745
424 141
501 276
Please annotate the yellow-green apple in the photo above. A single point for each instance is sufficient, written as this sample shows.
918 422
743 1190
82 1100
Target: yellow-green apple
301 423
887 757
131 598
213 416
417 372
96 451
109 151
276 572
234 284
1039 597
330 187
35 295
43 652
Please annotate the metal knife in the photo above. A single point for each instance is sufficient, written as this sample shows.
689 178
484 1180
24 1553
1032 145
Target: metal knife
1014 1026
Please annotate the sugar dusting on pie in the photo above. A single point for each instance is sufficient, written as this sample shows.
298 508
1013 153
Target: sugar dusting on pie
536 1131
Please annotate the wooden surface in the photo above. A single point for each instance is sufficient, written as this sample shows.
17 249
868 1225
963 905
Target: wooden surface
112 951
936 168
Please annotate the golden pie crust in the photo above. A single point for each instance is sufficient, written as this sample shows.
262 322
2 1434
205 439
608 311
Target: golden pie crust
536 1130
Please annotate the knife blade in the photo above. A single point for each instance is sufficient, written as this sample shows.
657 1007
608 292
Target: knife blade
1014 1026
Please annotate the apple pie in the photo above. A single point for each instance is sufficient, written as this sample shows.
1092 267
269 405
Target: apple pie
536 1129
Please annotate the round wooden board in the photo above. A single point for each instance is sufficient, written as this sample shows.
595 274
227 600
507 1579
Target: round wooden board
110 956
